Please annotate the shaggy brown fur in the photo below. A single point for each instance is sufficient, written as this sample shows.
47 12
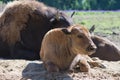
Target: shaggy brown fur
60 46
24 23
106 50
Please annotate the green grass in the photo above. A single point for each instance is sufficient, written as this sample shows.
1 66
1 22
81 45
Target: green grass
105 22
0 2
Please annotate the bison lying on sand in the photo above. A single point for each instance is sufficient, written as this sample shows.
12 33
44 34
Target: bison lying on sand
106 50
61 45
23 25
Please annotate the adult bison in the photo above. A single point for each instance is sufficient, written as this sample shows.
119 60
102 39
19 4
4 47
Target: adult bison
23 25
61 46
106 50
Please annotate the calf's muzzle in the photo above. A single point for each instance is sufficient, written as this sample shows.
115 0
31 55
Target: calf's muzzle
91 48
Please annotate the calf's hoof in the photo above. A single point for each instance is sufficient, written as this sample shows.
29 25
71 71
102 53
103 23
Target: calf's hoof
51 67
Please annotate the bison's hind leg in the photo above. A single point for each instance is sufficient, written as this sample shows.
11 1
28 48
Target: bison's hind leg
51 67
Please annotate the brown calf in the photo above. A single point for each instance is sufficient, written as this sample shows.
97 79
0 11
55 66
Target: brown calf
60 46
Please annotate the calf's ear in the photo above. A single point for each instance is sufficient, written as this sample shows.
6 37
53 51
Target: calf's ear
66 31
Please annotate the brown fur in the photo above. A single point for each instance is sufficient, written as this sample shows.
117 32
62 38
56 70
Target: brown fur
106 49
23 24
12 21
61 45
17 13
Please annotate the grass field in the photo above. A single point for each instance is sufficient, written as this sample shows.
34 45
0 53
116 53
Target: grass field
1 6
105 21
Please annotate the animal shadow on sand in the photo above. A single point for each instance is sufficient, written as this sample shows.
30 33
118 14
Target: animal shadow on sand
36 71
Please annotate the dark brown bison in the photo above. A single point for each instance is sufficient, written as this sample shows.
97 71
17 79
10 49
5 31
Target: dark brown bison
106 49
23 25
63 48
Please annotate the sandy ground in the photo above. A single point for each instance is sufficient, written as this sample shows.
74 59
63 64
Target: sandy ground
34 70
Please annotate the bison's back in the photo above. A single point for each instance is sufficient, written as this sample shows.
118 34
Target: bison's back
106 50
23 25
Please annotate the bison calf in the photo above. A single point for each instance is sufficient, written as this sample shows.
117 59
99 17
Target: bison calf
61 45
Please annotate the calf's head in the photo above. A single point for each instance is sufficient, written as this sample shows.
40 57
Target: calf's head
80 40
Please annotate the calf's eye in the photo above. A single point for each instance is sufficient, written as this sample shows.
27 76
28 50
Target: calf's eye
80 36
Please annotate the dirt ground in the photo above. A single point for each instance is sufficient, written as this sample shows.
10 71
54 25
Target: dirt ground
34 70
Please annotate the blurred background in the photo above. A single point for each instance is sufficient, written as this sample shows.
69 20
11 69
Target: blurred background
81 4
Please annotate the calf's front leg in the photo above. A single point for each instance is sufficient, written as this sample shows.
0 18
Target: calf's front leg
51 67
94 63
81 62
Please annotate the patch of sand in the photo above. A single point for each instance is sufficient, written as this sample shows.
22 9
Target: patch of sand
34 70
